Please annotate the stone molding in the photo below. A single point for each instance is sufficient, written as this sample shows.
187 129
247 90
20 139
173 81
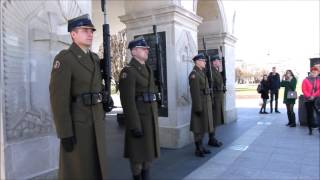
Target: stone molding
160 16
216 40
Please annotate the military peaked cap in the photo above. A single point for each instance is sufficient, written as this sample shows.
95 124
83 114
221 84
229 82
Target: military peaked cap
199 56
81 21
138 42
214 57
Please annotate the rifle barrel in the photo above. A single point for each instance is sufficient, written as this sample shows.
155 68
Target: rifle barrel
159 65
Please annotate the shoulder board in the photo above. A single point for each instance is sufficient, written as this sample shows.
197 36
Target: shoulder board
193 75
61 54
95 54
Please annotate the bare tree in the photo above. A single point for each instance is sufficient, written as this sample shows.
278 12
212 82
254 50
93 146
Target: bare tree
118 53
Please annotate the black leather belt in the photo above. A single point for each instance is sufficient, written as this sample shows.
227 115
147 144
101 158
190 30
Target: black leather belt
88 99
148 97
206 91
217 90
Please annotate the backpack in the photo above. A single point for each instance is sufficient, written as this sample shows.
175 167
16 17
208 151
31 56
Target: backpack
259 88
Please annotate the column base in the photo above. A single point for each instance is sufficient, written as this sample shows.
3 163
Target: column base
175 138
231 115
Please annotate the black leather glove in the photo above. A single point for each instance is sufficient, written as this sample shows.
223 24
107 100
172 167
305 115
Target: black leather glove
107 104
136 133
68 143
224 89
198 113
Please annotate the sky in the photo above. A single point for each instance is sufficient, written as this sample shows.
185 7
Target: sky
283 31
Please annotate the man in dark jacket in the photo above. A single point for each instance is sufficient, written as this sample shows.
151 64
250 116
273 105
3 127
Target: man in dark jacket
201 112
274 84
217 98
139 101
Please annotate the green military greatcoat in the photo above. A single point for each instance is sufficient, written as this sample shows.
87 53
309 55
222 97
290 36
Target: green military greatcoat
218 97
73 74
136 79
201 113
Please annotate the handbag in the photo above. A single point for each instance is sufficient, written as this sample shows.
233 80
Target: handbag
292 94
259 88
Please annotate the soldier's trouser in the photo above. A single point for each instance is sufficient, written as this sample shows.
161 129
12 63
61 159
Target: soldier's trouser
198 137
137 167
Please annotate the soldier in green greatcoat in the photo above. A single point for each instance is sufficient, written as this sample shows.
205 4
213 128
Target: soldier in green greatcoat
217 98
138 95
201 112
75 95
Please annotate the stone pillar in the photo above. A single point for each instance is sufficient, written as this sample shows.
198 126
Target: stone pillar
227 41
32 33
180 27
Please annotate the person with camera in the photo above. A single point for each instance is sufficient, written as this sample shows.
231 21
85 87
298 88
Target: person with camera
289 82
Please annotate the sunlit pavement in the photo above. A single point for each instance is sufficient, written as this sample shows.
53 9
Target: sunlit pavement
267 150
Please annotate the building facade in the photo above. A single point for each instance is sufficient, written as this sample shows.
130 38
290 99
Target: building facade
33 32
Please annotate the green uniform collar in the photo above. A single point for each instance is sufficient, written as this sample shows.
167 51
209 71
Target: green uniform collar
75 48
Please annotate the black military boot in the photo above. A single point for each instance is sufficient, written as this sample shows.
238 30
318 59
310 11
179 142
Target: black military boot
137 177
198 151
145 174
213 141
271 108
204 150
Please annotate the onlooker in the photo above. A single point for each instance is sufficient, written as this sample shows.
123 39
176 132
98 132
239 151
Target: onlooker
274 82
317 109
311 90
264 93
289 82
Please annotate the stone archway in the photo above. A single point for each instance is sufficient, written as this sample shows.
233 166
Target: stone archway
181 20
217 33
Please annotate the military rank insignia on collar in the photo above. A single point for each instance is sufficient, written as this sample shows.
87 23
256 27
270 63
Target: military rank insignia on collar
56 65
124 75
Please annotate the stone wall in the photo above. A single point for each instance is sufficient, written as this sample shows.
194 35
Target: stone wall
32 33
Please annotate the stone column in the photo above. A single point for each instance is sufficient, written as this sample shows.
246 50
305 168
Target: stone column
180 27
227 41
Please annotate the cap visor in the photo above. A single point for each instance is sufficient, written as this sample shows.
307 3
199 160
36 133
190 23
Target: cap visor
145 47
87 27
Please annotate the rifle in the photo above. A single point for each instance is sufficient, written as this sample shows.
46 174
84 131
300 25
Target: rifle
159 66
106 62
208 65
223 73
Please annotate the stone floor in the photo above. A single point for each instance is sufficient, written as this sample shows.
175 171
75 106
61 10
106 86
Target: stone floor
255 147
268 150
